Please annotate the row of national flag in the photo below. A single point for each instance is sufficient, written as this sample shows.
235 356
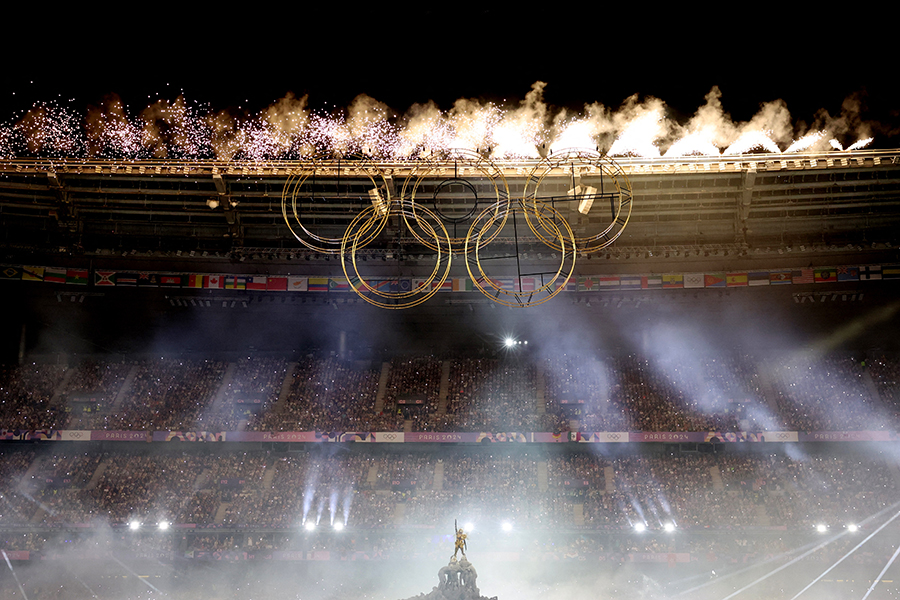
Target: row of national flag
301 283
730 279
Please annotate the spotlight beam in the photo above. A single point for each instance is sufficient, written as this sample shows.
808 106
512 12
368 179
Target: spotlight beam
804 555
136 576
785 566
16 577
742 570
840 560
880 575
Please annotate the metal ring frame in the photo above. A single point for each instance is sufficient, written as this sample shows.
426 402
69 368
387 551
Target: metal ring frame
586 163
457 160
427 226
293 189
401 299
514 297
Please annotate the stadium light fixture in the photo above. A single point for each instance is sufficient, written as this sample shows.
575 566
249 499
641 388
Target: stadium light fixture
309 526
378 202
469 527
852 527
163 525
669 527
640 527
134 525
506 526
821 527
509 342
338 526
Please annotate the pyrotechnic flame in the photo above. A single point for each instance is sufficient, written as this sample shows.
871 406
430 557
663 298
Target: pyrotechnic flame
860 144
806 142
753 140
694 144
639 137
288 129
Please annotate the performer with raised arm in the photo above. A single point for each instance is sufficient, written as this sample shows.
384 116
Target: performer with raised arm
460 545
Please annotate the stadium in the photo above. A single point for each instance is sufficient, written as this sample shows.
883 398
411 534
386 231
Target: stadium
261 366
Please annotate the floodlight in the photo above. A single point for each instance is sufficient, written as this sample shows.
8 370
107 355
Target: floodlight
309 526
852 527
163 525
338 526
134 525
507 526
509 342
669 527
469 527
821 528
378 202
639 527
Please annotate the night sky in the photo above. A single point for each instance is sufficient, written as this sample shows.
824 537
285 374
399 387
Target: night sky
239 58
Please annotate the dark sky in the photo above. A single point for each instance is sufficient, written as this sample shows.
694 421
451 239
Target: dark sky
251 56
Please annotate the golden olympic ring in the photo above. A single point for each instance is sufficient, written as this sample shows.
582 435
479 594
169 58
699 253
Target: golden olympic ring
577 162
456 165
326 245
358 229
522 298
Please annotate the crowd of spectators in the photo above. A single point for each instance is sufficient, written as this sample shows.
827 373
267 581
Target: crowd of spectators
626 392
384 491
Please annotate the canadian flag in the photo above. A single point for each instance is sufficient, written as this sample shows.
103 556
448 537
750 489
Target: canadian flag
214 282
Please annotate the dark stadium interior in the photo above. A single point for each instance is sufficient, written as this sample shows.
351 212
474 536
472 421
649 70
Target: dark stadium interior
218 381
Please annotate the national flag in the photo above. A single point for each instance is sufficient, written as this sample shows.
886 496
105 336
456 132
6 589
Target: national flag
170 280
504 283
148 280
890 271
673 281
825 275
338 284
257 283
736 280
194 280
104 278
843 274
779 277
317 284
462 284
651 282
870 273
630 282
32 273
277 284
800 276
126 279
404 285
571 285
587 284
420 284
214 282
525 284
11 273
54 275
296 284
608 282
693 280
445 286
235 282
715 280
756 278
77 276
382 285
